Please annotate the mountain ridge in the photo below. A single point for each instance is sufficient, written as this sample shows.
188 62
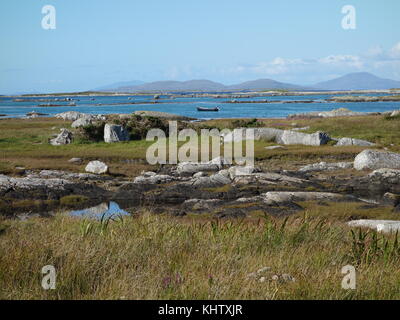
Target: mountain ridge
351 81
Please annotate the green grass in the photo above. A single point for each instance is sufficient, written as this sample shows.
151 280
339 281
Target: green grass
157 257
25 143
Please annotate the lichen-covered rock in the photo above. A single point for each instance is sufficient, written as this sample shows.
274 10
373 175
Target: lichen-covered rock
65 137
374 159
115 133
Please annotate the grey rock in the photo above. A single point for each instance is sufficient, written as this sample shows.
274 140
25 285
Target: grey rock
75 160
301 129
81 122
353 142
214 180
341 112
40 188
51 174
199 174
242 134
65 137
323 166
395 113
115 133
236 171
274 147
315 139
96 167
378 225
194 167
374 159
200 204
75 115
276 197
154 179
269 178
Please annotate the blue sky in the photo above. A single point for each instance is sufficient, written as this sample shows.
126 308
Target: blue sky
98 42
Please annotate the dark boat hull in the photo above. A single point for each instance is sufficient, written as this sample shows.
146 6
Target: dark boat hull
208 109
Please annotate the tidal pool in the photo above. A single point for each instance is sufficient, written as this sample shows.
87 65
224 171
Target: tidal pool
103 210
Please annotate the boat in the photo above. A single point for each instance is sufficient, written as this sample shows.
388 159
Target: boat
207 109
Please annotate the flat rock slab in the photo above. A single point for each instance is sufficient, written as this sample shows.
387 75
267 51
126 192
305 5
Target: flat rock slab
378 225
353 142
324 166
284 196
40 188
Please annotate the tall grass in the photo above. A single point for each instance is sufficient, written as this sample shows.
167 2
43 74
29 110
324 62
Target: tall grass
159 257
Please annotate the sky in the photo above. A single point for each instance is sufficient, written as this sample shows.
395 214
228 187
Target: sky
99 42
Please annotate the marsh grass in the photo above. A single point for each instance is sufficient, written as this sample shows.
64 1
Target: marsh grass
160 257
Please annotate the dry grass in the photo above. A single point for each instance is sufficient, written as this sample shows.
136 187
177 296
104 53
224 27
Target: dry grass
157 257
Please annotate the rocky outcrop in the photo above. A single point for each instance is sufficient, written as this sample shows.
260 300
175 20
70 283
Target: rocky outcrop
115 133
65 137
353 142
154 179
96 167
201 204
324 166
374 159
214 180
384 180
341 112
56 174
42 188
287 137
75 115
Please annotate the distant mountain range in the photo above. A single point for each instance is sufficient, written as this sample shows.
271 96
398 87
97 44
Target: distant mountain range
358 81
118 85
352 81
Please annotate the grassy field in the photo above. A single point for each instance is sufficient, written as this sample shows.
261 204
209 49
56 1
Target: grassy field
197 257
24 143
160 257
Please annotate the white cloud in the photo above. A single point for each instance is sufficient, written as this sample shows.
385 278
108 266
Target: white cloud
342 60
385 63
394 53
375 60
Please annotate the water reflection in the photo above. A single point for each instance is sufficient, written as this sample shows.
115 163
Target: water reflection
105 210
